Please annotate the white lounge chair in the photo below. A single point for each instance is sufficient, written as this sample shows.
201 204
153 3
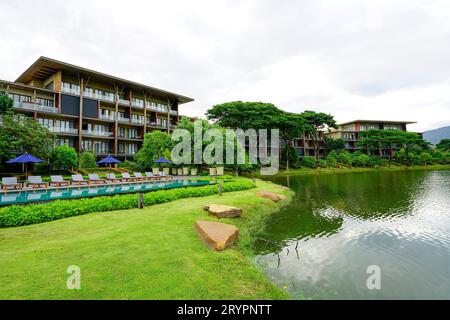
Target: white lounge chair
127 178
94 179
139 177
36 182
78 180
58 181
112 178
11 183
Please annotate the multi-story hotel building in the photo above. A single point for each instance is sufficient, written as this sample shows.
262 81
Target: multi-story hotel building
92 111
350 132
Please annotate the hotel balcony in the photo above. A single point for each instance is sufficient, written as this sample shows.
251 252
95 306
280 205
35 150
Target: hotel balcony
123 119
128 137
124 102
98 133
174 112
137 121
35 107
62 130
70 91
137 104
107 117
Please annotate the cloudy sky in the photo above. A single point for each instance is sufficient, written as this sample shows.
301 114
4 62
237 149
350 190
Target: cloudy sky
355 59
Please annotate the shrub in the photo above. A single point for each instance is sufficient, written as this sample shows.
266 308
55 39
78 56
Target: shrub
14 216
345 157
332 159
361 160
63 157
309 162
87 160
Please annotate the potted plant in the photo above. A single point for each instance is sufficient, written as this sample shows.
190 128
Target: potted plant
174 171
220 171
194 171
180 171
155 171
185 171
212 172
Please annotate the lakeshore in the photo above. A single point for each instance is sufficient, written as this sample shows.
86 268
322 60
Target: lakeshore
151 253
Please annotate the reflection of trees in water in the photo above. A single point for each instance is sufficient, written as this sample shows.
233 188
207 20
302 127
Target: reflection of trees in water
321 200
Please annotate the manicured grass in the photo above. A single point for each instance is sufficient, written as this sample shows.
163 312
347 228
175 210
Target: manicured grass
307 171
153 253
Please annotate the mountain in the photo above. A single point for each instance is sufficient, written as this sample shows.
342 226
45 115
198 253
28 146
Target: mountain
436 135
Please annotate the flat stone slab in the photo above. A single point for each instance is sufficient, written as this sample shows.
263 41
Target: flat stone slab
270 195
223 211
283 188
218 236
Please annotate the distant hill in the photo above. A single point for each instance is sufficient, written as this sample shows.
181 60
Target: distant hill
436 135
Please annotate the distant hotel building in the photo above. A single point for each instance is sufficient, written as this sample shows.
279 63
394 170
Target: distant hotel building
92 111
350 132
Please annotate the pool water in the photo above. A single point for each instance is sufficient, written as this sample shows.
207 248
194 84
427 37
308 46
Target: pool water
12 198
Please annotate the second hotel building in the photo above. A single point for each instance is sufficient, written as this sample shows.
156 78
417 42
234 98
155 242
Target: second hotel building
92 111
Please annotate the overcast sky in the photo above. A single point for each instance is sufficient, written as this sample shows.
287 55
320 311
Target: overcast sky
355 59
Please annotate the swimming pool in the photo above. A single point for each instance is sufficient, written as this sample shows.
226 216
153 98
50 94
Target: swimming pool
24 197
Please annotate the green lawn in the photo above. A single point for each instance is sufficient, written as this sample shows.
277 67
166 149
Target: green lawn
152 253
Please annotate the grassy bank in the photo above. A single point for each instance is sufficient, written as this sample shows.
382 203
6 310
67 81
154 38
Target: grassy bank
308 171
151 253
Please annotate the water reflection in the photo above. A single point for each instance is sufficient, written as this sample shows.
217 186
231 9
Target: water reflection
338 225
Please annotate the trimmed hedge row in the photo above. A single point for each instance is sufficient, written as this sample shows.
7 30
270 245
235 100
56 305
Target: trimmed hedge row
14 216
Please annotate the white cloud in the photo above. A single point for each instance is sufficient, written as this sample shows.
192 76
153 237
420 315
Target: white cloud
354 59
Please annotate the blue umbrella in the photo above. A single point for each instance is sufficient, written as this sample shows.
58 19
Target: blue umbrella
109 160
163 160
25 158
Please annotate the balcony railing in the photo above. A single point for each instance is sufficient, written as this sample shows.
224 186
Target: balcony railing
137 121
107 117
35 107
98 133
174 112
124 102
123 119
70 91
63 130
122 136
97 96
137 104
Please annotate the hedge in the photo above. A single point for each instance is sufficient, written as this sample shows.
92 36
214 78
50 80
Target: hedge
14 216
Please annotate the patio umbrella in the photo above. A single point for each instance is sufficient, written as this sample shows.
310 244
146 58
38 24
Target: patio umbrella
163 160
25 159
109 160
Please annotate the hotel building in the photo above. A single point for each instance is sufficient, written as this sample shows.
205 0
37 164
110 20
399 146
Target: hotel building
350 132
92 111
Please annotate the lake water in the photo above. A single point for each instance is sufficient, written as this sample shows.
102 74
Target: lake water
339 225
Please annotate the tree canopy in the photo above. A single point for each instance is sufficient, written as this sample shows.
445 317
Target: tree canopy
20 134
63 157
6 103
157 144
444 145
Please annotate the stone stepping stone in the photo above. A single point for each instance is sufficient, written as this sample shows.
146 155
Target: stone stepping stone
270 195
223 211
218 236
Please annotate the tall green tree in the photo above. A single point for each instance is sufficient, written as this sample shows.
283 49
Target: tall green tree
87 160
245 115
333 145
157 144
6 103
315 123
63 158
444 145
20 134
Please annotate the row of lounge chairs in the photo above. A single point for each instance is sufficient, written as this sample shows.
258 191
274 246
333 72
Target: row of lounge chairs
78 180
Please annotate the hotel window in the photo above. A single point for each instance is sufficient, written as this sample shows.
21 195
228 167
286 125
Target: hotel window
393 127
348 128
57 125
137 102
128 148
45 102
96 147
60 142
18 98
70 88
368 126
161 122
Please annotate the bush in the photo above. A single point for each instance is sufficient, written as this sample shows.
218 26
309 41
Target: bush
345 158
130 165
309 162
332 159
361 160
87 160
63 158
14 216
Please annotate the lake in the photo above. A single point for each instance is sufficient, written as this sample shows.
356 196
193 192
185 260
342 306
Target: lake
342 229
